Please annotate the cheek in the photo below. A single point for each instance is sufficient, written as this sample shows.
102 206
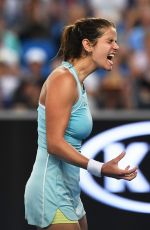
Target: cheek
99 52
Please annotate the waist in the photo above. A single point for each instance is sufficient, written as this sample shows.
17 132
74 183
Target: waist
76 143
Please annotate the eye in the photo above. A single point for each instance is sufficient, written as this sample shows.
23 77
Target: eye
110 41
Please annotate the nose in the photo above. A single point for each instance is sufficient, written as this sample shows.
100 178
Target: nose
116 46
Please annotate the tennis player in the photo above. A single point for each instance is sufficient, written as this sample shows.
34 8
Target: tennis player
52 193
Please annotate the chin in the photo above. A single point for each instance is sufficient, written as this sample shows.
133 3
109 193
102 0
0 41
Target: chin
108 68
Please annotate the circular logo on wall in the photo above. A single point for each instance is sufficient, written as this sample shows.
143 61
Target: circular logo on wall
131 138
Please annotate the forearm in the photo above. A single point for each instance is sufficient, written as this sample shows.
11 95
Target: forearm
68 153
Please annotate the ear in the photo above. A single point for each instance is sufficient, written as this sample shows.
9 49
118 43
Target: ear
87 45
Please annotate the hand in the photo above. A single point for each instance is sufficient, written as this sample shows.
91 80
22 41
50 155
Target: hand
111 169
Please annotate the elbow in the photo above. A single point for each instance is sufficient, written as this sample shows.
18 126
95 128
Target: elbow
53 146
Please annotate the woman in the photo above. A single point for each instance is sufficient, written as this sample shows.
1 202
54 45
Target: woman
52 195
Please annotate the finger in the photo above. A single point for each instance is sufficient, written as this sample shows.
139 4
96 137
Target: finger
129 171
119 157
126 172
129 177
127 167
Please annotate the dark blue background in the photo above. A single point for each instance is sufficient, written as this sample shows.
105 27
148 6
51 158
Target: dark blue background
18 140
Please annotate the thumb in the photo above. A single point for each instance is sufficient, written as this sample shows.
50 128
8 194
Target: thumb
120 156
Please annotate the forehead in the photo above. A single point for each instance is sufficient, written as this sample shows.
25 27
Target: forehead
109 33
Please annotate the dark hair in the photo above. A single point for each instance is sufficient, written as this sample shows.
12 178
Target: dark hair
72 36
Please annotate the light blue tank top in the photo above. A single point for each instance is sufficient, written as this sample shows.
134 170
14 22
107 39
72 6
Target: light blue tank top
80 123
54 183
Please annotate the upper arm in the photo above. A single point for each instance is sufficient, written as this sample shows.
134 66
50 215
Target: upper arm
60 96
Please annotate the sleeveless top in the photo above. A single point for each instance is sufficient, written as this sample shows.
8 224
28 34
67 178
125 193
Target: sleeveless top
54 183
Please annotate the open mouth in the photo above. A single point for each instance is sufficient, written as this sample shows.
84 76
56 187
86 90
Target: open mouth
110 58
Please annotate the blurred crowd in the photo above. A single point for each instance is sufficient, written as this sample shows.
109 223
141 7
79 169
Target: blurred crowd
30 32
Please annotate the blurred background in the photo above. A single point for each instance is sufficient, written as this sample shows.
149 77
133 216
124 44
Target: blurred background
30 33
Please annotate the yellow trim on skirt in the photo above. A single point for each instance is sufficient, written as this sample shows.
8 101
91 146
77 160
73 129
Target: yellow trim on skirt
60 218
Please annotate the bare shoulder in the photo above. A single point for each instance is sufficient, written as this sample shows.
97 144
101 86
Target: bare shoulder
61 75
61 81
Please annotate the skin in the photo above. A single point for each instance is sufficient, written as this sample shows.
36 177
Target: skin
60 92
81 225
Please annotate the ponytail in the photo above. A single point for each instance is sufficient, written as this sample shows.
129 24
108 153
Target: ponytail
65 41
70 43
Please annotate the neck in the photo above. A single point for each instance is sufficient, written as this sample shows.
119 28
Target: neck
83 67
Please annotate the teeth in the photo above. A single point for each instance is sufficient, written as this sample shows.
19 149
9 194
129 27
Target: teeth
111 55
